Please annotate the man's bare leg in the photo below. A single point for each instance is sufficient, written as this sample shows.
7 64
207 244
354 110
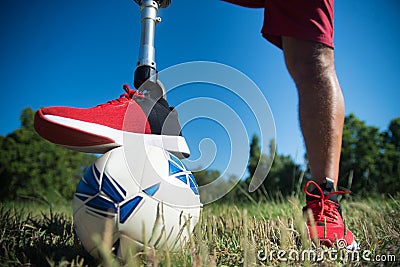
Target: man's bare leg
321 104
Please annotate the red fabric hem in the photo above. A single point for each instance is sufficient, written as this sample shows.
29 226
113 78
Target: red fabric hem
277 39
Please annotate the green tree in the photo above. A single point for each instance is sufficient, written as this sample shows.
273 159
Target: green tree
371 158
204 177
281 178
393 133
33 167
360 151
389 160
255 154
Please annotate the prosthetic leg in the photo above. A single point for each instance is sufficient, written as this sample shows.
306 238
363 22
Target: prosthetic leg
149 120
146 78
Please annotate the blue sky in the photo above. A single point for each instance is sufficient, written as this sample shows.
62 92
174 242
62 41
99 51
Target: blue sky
79 53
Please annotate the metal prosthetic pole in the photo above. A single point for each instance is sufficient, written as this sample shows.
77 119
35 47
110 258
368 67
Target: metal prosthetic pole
146 70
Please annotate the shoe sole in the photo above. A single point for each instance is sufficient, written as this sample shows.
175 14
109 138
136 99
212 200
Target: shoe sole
69 133
353 246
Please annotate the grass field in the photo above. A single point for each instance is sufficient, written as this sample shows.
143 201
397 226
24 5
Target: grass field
264 234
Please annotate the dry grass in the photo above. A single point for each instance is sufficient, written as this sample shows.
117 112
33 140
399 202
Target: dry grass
227 235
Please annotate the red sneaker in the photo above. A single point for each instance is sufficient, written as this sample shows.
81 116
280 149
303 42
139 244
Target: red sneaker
104 127
328 223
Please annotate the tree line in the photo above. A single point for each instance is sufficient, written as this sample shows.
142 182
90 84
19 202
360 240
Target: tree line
31 167
34 168
369 165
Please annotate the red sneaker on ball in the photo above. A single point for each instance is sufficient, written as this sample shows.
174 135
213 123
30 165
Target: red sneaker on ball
133 116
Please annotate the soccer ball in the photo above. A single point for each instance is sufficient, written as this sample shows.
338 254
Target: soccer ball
129 200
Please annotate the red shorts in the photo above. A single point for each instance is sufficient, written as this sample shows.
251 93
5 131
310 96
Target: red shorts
302 19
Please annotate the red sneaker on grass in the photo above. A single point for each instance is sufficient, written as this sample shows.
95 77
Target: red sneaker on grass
104 127
328 226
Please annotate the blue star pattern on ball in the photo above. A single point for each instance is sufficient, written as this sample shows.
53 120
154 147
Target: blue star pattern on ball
104 195
178 170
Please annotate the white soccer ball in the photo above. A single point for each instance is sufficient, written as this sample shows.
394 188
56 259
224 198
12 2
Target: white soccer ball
123 203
